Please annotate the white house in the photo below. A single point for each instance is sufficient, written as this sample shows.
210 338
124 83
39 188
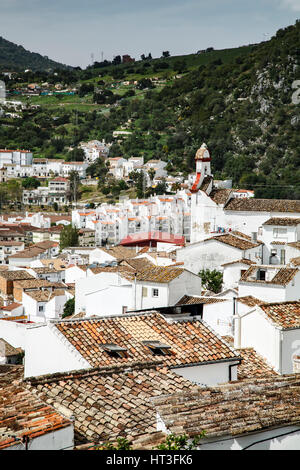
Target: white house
233 270
40 305
62 346
278 233
216 250
271 283
124 290
273 330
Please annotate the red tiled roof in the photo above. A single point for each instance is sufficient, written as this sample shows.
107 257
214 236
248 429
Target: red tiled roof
191 341
153 236
21 412
284 314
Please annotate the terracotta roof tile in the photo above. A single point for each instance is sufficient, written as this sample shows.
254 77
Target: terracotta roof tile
284 221
284 314
234 409
110 402
267 205
21 412
129 331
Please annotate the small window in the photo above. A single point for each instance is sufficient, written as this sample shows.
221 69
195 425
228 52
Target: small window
41 308
261 275
114 350
144 292
154 292
158 348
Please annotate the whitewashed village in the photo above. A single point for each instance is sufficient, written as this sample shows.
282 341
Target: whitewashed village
125 334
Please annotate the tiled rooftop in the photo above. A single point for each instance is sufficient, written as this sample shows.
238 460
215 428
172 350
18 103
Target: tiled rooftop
189 300
36 283
267 205
284 314
242 260
7 349
110 402
45 295
220 196
159 274
21 413
16 275
233 409
284 221
249 300
234 241
190 341
282 277
253 365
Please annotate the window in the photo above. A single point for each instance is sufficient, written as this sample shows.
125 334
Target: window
114 350
261 275
279 232
144 292
282 256
154 292
41 308
158 348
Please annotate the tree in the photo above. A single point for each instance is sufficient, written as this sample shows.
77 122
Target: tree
68 236
75 155
181 442
166 54
69 308
30 183
73 192
211 279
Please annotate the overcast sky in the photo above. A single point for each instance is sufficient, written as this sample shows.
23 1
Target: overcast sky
69 31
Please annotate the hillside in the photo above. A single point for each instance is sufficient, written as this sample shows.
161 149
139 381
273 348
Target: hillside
238 101
14 57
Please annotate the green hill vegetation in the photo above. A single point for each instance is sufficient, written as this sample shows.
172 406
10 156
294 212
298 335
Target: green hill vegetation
238 101
14 57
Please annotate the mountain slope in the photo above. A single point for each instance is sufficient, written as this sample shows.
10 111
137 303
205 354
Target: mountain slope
14 57
245 112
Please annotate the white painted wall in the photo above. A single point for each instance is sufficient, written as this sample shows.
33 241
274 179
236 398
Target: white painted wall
208 374
269 438
55 440
290 346
95 283
74 273
13 333
219 316
109 301
211 254
258 333
232 274
262 291
47 351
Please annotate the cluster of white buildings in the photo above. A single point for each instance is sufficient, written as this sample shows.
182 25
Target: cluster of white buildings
21 164
94 149
114 222
57 192
144 319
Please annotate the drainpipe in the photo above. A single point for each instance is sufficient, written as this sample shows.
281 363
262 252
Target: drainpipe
135 291
237 331
234 315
